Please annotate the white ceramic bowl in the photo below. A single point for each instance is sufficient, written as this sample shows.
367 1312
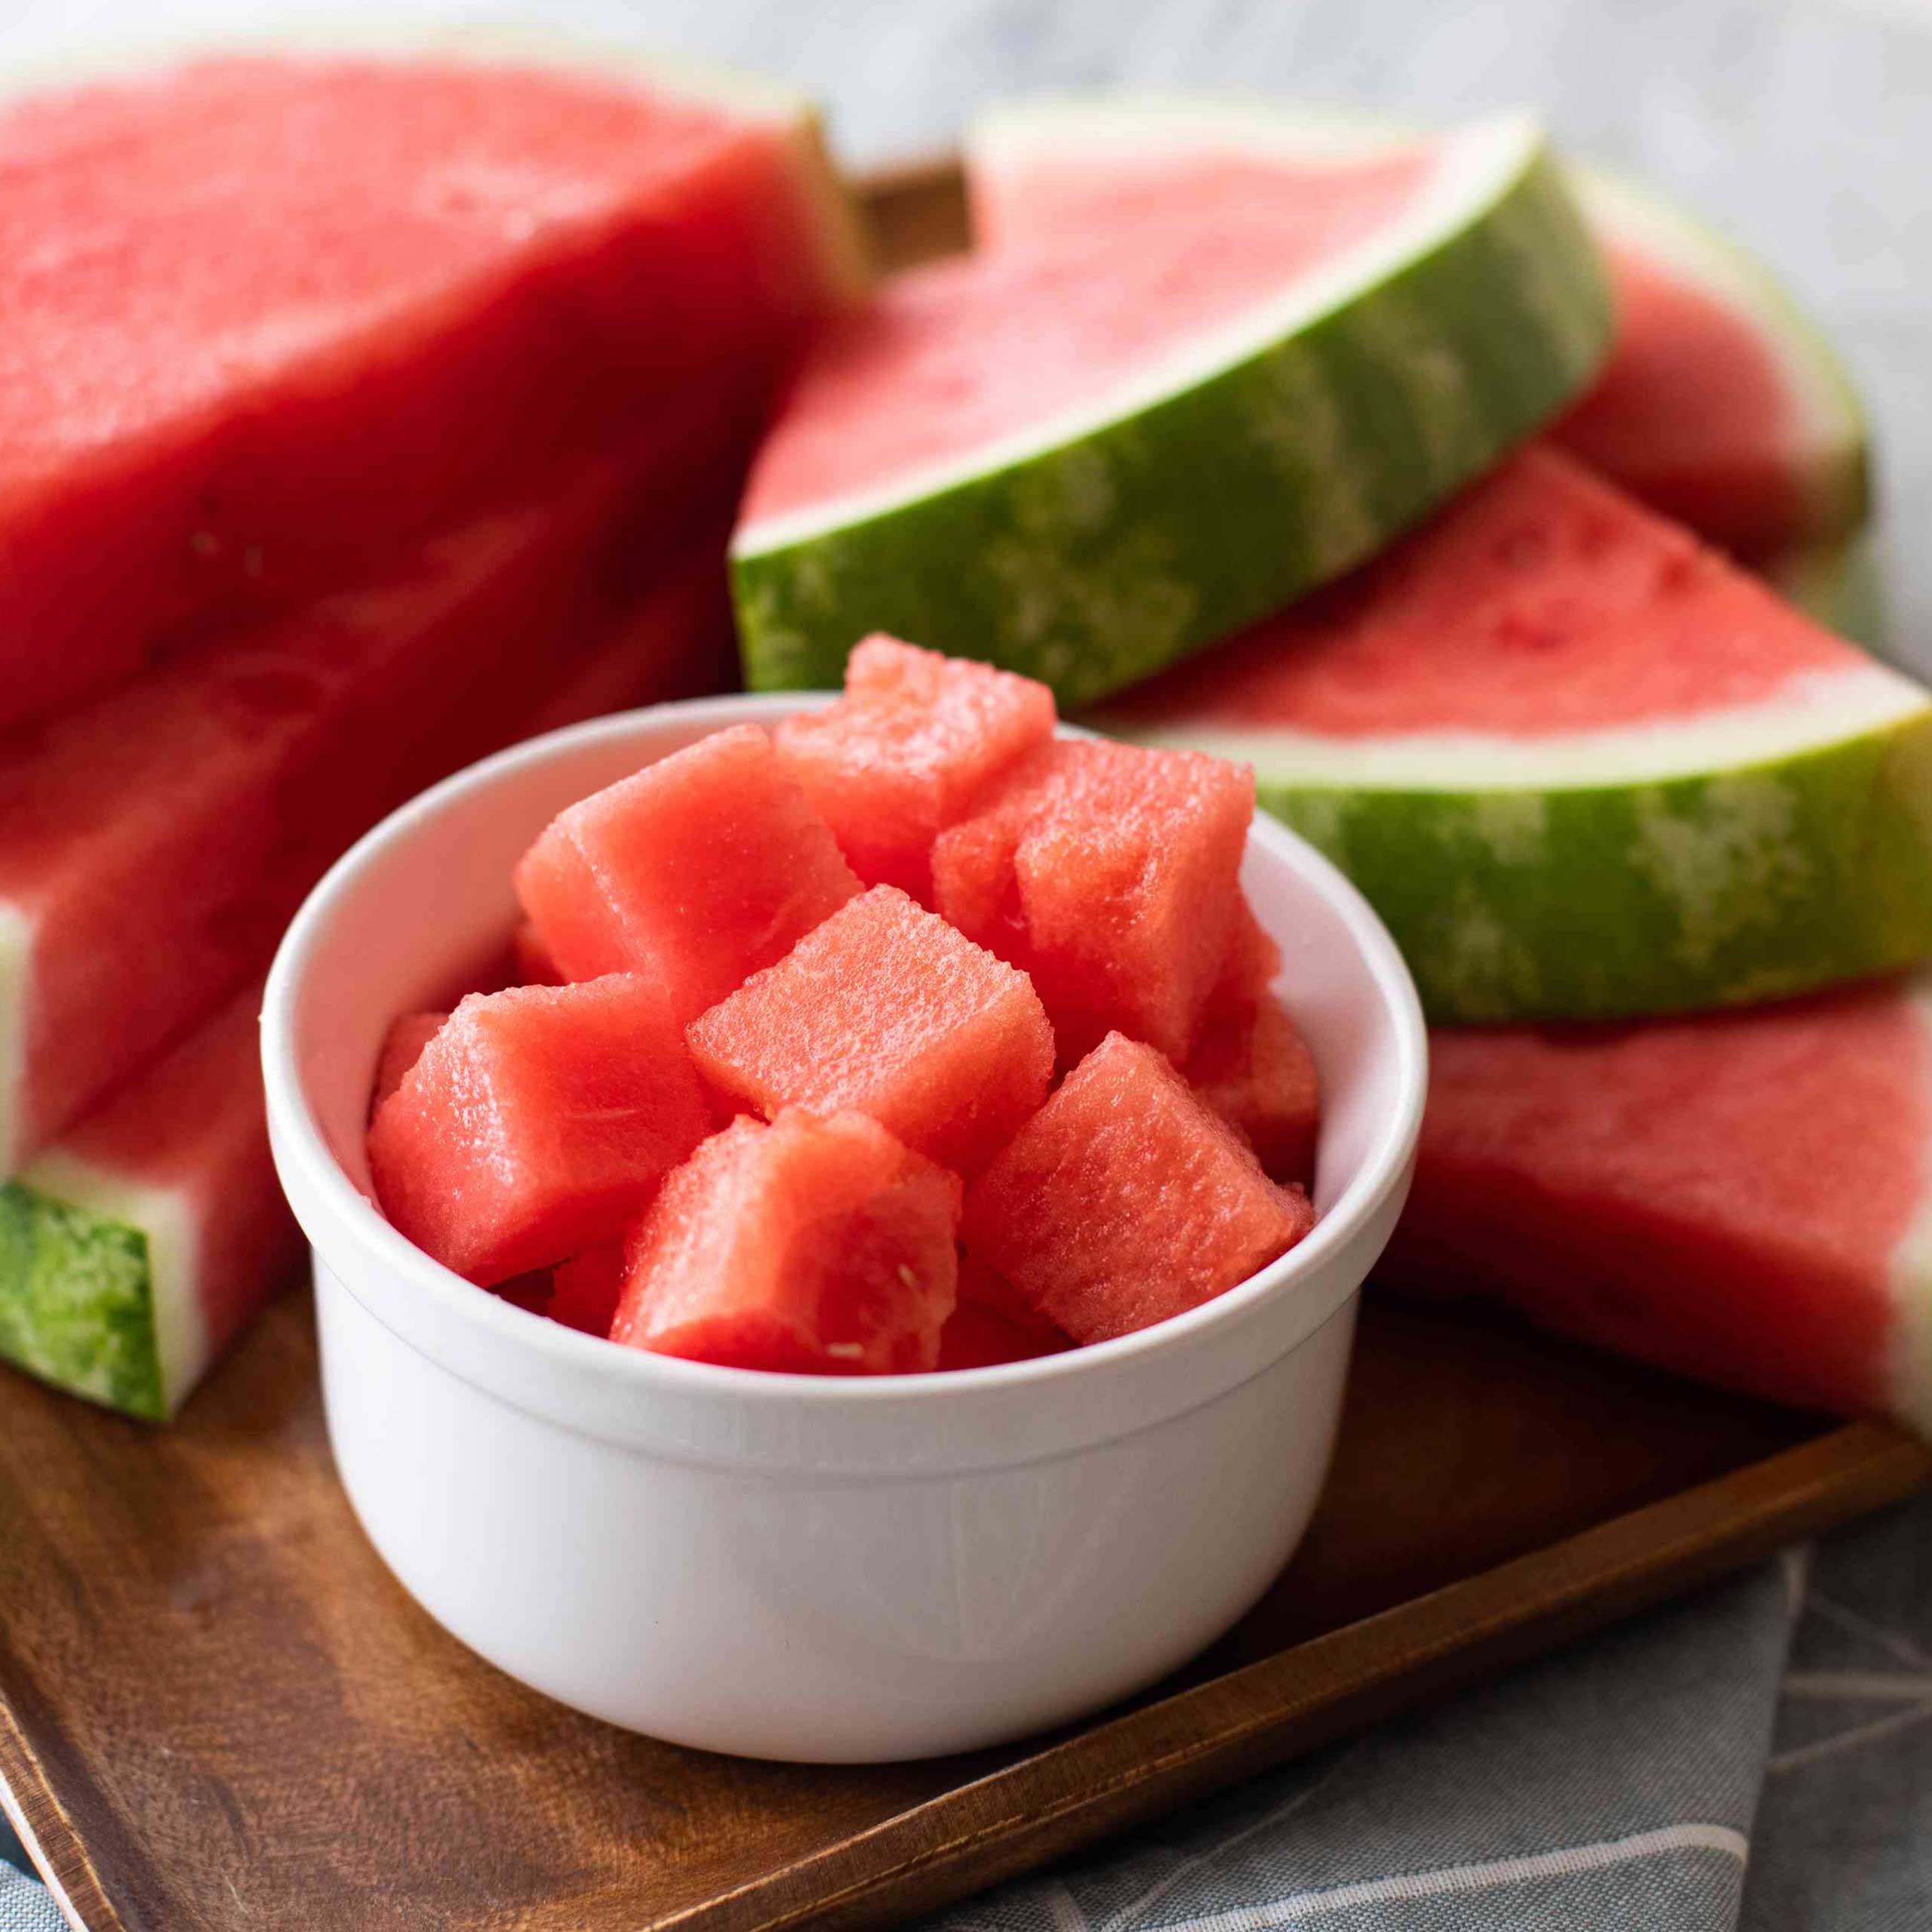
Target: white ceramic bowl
787 1566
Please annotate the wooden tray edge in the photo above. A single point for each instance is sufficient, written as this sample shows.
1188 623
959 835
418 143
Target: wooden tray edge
1202 1739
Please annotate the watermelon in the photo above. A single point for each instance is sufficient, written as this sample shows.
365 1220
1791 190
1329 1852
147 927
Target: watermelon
535 966
271 318
409 1033
137 1247
887 1010
583 1291
977 1336
1111 874
1718 405
538 1121
1126 1200
914 742
811 1246
1139 438
1581 765
1841 583
696 871
153 844
1740 1196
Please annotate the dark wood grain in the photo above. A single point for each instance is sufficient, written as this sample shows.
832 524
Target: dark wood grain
218 1713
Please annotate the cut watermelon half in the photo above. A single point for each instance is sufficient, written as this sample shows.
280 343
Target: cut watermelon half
134 1250
1142 438
1581 764
153 844
1742 1197
1719 405
273 317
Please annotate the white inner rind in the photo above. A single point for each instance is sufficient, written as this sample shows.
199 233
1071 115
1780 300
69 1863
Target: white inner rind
1910 1281
168 1219
1814 711
1826 421
1475 166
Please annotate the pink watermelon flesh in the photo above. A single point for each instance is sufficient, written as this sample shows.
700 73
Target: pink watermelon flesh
810 1246
1693 413
696 871
152 845
584 1291
535 966
976 1336
950 359
538 1122
915 740
191 1127
1126 1200
887 1010
271 320
1110 874
1542 602
1736 1196
1251 1065
402 1046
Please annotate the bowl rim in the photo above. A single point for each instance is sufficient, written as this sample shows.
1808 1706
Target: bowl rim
298 1139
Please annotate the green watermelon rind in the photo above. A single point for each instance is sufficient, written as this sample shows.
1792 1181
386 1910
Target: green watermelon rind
1098 555
77 1302
1840 584
1747 881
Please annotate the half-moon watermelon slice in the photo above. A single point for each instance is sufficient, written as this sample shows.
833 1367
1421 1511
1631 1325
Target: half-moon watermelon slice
1719 405
1745 1197
1581 763
1085 460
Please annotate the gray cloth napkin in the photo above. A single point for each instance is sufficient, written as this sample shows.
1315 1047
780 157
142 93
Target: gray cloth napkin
1760 1756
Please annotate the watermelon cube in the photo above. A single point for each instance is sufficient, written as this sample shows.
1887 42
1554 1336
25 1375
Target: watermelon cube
904 754
811 1246
402 1046
694 872
583 1291
1250 1064
978 1336
1125 1200
1111 874
538 1121
886 1010
531 958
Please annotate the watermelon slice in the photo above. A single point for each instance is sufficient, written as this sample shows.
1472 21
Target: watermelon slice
1141 438
271 319
1718 405
138 1246
1739 1196
1125 1200
886 1011
696 872
1580 764
537 1122
810 1246
153 844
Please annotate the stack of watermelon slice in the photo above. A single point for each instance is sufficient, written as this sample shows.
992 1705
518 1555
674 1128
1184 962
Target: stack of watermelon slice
1578 714
349 431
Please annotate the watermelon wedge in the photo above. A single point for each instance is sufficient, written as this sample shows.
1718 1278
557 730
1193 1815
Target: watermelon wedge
1718 405
153 844
1581 764
1739 1196
1142 437
138 1246
273 318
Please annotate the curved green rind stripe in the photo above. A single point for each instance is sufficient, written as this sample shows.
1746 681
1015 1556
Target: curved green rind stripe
1745 884
1097 562
1840 584
77 1302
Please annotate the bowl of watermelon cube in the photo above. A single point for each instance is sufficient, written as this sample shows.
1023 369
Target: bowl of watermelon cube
837 1218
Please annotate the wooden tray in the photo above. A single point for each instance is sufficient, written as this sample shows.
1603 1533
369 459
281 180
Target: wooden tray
218 1712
